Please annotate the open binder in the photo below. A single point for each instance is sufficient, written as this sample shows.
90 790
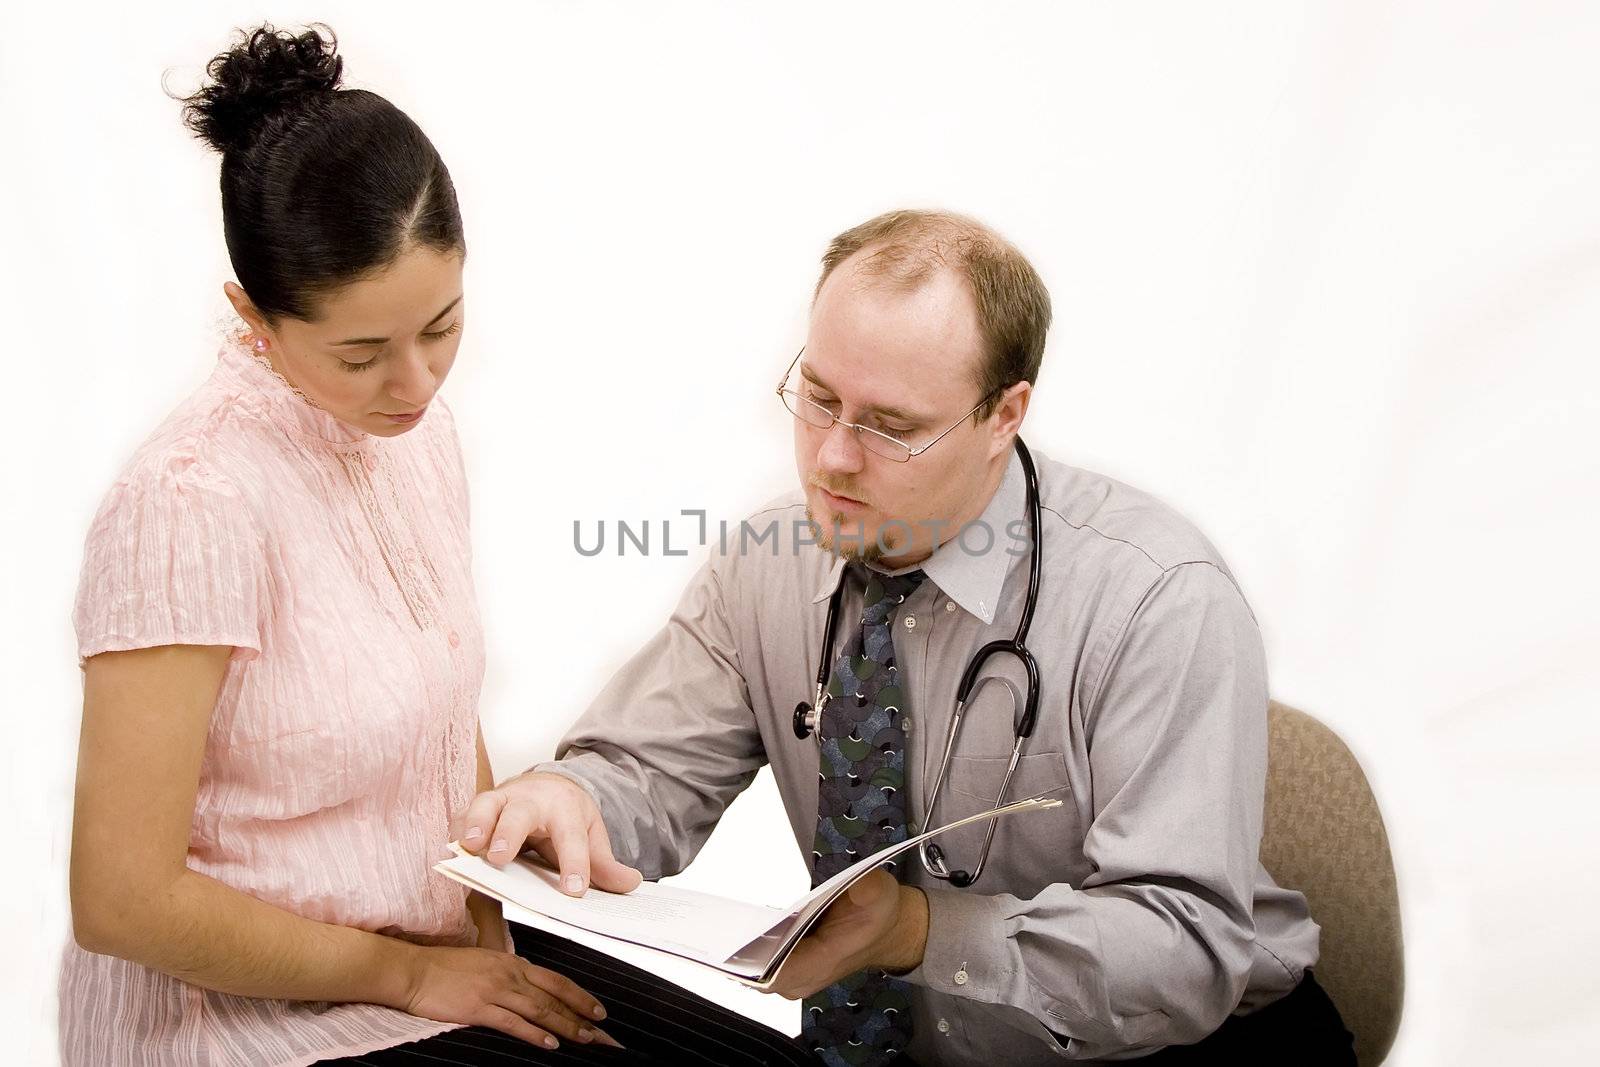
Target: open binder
746 942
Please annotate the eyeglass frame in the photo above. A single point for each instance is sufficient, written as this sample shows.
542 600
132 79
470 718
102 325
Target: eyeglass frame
910 452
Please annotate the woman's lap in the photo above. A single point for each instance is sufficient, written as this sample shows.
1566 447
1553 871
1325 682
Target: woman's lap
656 1021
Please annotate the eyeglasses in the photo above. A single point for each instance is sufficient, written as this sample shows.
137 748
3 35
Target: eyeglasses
877 442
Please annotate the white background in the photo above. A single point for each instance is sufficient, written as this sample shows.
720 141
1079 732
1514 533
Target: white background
1325 278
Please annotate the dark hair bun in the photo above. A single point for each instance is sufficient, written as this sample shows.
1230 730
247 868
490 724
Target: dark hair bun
262 75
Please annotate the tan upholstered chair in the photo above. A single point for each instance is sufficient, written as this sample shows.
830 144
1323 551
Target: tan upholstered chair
1324 836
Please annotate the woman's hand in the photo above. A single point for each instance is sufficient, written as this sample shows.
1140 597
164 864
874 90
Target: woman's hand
505 992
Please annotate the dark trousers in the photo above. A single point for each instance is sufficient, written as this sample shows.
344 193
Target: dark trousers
1302 1028
661 1023
658 1022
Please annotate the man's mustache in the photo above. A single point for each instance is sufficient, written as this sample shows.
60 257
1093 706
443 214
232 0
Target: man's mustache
843 489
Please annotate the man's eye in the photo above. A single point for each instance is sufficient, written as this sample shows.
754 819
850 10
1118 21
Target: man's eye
896 432
829 402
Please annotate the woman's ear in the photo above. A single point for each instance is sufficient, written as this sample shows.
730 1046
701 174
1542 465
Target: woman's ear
245 309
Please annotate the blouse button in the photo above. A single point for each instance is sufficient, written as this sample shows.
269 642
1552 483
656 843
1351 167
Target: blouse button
372 463
455 639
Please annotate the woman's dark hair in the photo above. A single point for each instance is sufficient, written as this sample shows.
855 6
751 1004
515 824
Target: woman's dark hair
320 185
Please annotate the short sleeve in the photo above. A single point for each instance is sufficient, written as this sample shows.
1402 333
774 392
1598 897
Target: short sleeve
172 558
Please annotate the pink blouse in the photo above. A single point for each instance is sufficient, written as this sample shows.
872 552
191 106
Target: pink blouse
338 565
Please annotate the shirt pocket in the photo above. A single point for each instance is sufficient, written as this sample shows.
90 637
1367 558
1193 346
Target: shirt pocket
1031 849
983 752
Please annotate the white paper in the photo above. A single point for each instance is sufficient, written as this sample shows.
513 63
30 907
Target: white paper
745 941
682 921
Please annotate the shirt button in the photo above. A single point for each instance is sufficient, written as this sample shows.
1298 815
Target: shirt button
455 639
911 622
905 725
944 1026
961 977
949 605
372 463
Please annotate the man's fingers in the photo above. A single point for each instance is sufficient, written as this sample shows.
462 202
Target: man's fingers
571 842
546 852
802 973
866 890
510 832
538 810
471 827
608 872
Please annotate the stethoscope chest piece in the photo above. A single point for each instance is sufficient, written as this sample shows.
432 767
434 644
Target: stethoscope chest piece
805 719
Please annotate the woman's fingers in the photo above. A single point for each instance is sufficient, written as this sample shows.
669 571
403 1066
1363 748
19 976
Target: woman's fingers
563 989
546 1012
509 1022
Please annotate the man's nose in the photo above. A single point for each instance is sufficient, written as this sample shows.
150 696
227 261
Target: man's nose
841 450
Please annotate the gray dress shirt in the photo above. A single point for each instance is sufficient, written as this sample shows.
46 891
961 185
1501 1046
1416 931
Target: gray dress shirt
1135 915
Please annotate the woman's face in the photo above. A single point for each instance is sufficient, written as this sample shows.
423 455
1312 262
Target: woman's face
379 347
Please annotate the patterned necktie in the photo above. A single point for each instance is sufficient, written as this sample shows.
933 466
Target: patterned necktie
864 1018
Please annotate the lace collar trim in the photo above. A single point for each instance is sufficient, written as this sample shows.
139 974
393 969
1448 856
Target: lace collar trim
282 402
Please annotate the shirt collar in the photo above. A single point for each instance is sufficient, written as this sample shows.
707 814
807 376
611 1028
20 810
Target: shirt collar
285 405
972 578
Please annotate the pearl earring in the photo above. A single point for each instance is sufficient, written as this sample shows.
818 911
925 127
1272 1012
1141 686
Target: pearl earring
261 344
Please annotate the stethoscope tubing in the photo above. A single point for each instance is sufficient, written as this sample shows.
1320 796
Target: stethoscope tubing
808 715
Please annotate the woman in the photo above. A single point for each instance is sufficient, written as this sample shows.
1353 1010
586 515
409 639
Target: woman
282 654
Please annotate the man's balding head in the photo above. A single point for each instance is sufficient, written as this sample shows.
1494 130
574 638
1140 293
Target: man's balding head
904 249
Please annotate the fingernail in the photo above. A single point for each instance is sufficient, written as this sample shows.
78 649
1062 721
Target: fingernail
585 1035
550 1042
473 833
574 883
598 1011
499 845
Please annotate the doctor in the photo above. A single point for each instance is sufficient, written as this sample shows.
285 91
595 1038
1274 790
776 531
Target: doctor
1135 916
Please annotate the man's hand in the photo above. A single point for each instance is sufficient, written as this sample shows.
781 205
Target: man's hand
558 818
877 923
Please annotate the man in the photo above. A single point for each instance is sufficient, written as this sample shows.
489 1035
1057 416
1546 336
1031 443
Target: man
1132 917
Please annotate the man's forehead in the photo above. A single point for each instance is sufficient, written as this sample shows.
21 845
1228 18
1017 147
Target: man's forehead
904 389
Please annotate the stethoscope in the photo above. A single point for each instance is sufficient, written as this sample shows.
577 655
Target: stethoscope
808 714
